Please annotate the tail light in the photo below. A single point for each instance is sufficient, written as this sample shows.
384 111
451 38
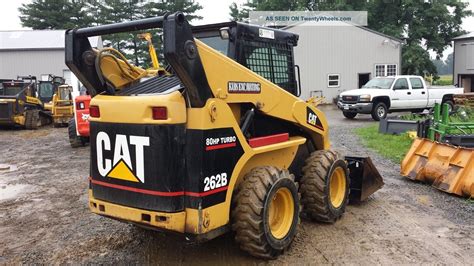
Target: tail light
159 113
80 106
94 111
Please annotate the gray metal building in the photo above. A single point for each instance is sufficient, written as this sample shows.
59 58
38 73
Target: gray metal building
338 58
464 61
34 52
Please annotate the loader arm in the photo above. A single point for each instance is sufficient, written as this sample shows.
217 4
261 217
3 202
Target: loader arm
179 49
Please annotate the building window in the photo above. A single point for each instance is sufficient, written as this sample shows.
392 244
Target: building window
383 70
379 70
391 70
333 80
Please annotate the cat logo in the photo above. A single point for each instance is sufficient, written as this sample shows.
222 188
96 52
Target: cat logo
121 166
312 119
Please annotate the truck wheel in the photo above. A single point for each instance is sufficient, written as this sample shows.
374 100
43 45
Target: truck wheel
349 115
450 105
74 139
266 212
32 119
324 186
379 111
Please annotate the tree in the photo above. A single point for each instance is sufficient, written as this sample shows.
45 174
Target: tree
444 67
159 8
424 25
238 14
55 14
449 62
440 66
431 24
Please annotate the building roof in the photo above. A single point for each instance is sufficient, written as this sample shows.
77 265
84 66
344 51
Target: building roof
465 36
35 40
350 24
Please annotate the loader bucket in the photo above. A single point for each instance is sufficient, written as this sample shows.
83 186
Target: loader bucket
365 179
448 168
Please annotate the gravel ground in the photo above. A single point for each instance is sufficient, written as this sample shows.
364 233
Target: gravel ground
44 217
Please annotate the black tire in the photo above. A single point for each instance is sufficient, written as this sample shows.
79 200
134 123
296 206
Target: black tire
32 119
74 139
451 105
251 215
315 186
349 115
85 140
379 111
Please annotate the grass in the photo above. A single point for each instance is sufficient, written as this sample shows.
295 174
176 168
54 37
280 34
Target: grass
393 147
444 80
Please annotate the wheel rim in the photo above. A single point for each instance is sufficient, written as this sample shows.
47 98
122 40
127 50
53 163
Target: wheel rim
337 187
450 108
381 111
280 213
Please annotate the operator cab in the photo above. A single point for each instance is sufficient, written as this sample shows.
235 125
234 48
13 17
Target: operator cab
267 52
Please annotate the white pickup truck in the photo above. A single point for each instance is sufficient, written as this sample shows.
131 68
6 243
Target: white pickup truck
384 95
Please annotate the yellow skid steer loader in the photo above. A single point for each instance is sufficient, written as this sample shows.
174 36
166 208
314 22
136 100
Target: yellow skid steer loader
62 108
224 143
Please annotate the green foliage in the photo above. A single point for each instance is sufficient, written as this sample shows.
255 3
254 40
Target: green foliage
463 114
159 8
423 24
444 67
238 14
417 61
393 147
444 80
55 14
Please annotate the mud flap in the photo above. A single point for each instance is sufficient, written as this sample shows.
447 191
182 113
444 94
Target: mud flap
365 179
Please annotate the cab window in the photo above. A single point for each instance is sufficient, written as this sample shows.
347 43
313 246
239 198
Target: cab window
401 84
12 90
271 61
416 83
46 90
216 42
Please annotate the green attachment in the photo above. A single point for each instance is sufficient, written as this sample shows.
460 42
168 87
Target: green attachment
442 126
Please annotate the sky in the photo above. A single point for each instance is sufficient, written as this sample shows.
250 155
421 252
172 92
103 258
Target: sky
213 11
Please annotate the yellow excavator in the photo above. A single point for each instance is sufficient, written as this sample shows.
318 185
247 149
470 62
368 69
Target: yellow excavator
222 143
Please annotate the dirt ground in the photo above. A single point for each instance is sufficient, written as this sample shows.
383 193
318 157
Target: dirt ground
44 216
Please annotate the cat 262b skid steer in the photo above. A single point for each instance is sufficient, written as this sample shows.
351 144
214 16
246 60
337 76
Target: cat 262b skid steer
222 143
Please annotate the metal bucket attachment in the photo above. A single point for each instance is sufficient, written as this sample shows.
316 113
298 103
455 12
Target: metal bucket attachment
448 168
365 179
